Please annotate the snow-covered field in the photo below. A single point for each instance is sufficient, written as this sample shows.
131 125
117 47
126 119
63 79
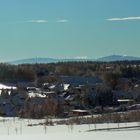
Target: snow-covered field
17 129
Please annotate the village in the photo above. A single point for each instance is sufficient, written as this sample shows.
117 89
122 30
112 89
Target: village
75 96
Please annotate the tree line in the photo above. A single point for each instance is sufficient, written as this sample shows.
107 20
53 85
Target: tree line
33 72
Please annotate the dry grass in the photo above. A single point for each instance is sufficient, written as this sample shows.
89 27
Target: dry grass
133 116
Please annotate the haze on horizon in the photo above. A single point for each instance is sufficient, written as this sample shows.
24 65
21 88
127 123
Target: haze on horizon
68 28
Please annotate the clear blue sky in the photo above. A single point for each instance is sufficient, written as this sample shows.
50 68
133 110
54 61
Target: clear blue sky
68 28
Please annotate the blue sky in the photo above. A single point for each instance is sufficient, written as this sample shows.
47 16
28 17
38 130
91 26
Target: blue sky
68 28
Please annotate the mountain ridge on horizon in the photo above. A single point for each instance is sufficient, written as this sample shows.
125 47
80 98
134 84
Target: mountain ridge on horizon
109 58
45 60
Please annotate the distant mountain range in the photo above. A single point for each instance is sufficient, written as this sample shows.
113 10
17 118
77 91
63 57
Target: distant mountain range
54 60
118 58
45 60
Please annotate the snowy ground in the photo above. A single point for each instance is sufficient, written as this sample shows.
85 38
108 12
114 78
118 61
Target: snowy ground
17 129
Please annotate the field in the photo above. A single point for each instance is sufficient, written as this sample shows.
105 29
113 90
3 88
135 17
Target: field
25 129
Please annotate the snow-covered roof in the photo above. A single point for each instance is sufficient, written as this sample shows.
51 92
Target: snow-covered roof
2 86
66 86
50 92
136 86
125 100
32 95
79 110
52 86
69 97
